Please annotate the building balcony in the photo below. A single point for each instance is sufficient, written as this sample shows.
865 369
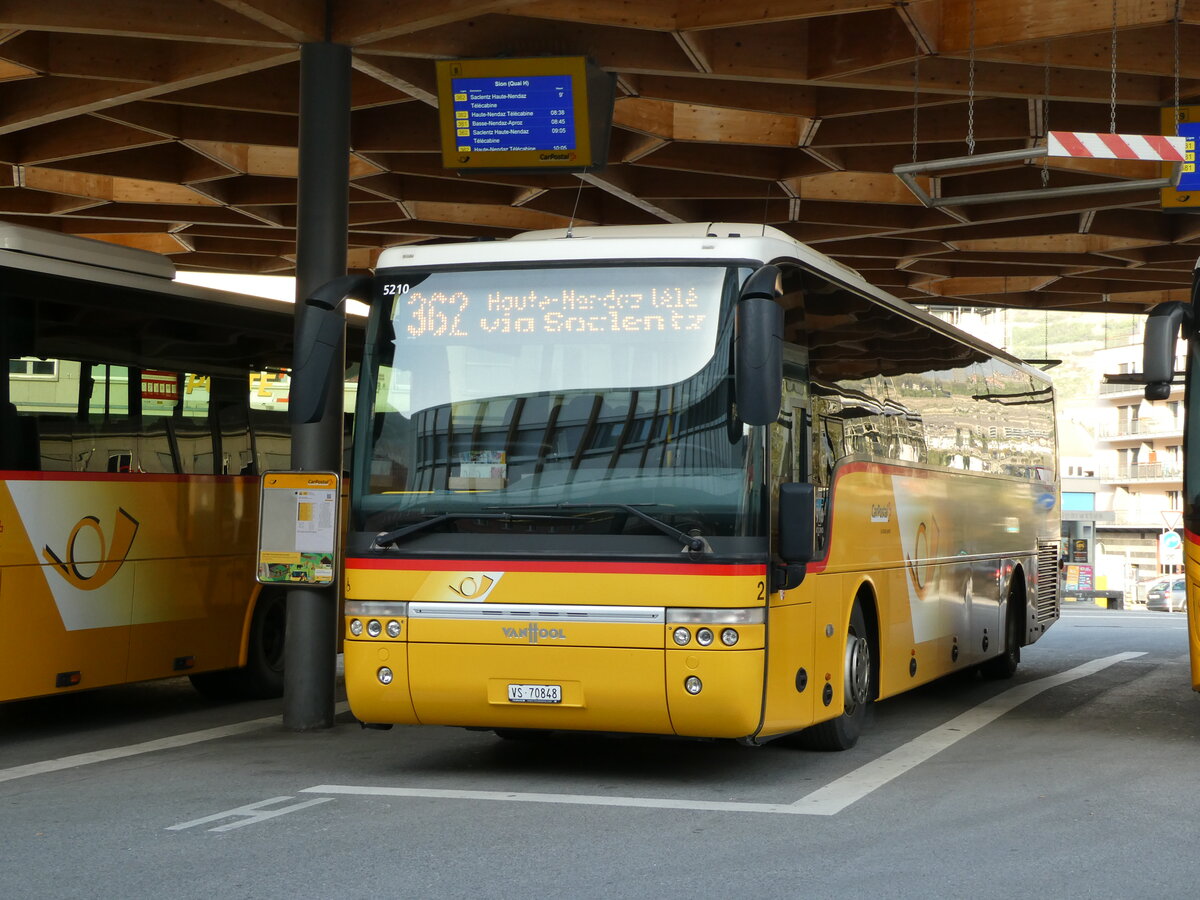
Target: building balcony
1147 520
1162 472
1141 428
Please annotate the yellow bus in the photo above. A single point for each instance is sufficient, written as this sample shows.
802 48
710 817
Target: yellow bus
1166 325
137 411
693 480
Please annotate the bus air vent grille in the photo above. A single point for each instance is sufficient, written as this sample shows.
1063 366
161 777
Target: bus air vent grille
1046 607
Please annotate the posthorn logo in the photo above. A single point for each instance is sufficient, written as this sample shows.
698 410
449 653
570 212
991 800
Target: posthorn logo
534 633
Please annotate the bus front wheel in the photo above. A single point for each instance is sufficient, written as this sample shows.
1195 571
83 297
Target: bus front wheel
857 677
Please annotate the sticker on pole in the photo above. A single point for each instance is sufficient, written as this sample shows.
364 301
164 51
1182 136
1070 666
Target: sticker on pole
297 528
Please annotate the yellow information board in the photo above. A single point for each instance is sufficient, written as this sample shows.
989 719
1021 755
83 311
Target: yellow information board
1187 193
298 528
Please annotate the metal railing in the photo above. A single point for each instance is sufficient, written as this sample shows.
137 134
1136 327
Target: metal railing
1168 471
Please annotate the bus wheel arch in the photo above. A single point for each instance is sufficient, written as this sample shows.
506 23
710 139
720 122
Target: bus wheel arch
262 676
860 676
1016 613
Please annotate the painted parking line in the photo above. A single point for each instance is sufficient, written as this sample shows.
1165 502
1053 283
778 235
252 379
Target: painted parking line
249 814
826 801
168 743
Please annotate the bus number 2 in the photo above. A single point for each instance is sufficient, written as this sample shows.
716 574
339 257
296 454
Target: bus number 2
762 591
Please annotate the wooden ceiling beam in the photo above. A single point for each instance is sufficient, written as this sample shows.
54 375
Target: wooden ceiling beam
994 120
621 49
181 20
945 75
80 136
415 78
764 163
110 188
617 182
1019 21
709 124
836 47
778 99
99 57
24 104
853 187
296 20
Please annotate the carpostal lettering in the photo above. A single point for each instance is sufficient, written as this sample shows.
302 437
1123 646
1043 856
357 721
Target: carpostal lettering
534 633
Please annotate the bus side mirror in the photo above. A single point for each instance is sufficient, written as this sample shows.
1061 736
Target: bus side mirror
797 535
758 351
318 339
1158 346
797 522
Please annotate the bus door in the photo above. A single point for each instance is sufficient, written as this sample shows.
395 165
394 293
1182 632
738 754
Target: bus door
790 617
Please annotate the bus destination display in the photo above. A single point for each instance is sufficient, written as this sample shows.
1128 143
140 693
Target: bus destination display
423 315
524 114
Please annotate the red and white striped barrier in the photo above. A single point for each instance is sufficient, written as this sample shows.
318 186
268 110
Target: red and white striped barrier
1090 145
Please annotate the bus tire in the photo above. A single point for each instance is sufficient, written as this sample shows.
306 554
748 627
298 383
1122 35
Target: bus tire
858 678
1005 665
262 676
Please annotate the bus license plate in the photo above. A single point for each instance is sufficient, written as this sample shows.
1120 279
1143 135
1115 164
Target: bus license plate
535 693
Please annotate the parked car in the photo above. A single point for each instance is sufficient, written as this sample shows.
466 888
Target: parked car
1169 596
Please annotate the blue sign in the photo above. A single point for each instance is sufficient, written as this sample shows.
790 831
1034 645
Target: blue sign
1171 540
1189 178
1046 501
518 113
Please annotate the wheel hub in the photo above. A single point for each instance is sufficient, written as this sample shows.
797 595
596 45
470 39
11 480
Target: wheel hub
858 672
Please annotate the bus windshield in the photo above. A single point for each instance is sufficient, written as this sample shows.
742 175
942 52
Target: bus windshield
563 395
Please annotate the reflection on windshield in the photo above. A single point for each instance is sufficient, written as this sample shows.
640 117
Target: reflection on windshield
537 418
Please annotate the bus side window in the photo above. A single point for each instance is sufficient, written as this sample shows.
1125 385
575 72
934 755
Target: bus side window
107 443
230 408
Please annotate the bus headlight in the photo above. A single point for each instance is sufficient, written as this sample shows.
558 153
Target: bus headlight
385 675
682 636
704 637
374 629
729 637
692 685
356 627
393 629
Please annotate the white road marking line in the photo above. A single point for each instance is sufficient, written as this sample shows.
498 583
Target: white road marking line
837 795
825 801
253 812
168 743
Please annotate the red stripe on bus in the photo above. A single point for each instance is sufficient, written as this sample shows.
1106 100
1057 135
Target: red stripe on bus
123 477
582 568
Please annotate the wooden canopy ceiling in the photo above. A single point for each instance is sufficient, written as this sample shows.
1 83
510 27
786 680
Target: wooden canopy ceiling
172 125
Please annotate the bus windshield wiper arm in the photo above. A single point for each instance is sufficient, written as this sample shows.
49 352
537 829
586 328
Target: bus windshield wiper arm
694 543
391 538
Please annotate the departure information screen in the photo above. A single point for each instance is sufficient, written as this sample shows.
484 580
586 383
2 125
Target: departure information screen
524 114
498 114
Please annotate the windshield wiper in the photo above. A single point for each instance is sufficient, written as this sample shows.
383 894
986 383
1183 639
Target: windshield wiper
391 538
692 543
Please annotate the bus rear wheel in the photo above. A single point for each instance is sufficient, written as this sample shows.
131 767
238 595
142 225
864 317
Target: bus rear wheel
262 676
857 677
1005 665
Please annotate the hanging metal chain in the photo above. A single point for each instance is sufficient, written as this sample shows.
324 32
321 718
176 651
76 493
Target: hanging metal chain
1176 29
1112 97
916 90
1046 111
971 89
